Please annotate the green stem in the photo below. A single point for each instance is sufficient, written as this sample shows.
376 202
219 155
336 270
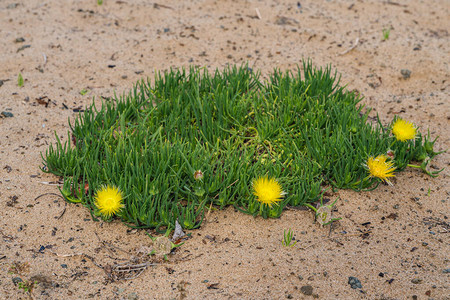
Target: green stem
310 206
414 166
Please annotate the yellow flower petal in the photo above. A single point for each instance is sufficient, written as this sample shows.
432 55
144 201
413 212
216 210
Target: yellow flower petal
381 168
267 191
404 130
108 200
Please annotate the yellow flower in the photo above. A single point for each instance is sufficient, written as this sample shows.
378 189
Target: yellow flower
108 200
268 191
404 130
380 168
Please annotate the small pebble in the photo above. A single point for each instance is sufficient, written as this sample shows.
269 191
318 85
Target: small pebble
354 282
405 73
7 114
416 280
446 271
64 266
307 290
16 280
133 296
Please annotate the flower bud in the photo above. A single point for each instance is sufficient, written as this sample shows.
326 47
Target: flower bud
390 153
198 175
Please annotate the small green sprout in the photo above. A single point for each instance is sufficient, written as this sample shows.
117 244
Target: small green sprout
287 238
425 155
99 2
20 80
424 167
323 213
27 286
84 92
386 33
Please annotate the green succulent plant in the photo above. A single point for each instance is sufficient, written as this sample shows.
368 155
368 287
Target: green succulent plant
189 139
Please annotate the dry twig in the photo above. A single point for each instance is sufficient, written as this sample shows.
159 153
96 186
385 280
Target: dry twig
111 246
130 268
9 237
117 271
59 183
351 48
48 194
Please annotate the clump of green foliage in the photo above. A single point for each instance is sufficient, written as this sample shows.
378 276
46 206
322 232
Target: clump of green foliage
288 238
386 33
20 80
230 127
27 286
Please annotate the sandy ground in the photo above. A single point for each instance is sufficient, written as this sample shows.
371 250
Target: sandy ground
395 240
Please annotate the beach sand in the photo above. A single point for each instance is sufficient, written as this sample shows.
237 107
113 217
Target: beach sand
394 240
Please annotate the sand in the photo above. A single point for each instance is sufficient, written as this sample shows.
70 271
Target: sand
394 240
